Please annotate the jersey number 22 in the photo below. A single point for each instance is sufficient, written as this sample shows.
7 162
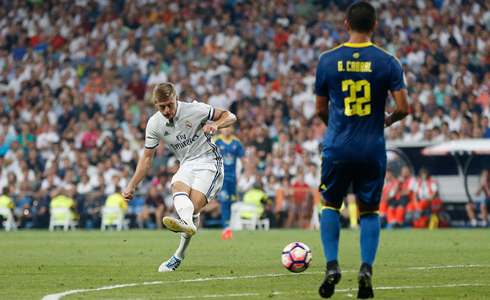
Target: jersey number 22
354 105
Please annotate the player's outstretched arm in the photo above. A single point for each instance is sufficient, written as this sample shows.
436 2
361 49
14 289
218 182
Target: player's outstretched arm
143 166
222 119
322 108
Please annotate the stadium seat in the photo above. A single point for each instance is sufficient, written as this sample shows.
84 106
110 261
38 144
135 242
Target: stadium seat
136 205
239 223
65 222
119 221
10 222
263 224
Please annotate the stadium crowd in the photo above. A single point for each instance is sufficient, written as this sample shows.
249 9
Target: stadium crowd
76 79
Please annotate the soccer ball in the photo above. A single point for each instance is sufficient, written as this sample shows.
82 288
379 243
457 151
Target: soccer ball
296 257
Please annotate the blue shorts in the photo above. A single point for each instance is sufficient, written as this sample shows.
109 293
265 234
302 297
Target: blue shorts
228 192
367 179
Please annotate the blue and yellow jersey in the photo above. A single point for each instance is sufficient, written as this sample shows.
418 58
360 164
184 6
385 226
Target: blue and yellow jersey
230 151
356 78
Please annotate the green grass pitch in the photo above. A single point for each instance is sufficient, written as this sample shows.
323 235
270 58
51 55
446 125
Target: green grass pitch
416 264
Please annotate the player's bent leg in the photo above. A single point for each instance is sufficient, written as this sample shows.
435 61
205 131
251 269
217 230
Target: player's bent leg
184 208
198 199
174 262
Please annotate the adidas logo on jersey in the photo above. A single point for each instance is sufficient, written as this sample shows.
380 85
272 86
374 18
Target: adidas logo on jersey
166 133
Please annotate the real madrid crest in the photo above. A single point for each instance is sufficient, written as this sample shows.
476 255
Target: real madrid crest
188 124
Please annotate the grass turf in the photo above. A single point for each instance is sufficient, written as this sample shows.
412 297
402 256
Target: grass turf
38 263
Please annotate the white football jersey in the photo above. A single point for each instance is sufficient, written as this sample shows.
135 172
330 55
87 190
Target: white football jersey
183 134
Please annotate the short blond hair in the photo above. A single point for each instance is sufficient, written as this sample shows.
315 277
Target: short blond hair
163 91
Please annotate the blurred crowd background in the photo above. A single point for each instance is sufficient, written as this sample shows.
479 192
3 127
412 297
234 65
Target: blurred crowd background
76 79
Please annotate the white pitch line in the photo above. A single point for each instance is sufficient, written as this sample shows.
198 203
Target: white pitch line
426 268
445 267
59 295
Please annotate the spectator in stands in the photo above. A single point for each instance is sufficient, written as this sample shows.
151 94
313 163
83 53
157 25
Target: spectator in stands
301 208
91 213
482 206
115 200
262 143
415 135
246 180
406 192
61 198
137 87
259 198
154 205
40 210
485 128
427 201
389 202
6 202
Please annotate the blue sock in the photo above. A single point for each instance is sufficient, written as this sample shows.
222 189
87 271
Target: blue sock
225 214
330 232
370 228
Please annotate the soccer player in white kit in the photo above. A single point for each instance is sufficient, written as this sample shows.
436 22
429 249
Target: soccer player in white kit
182 126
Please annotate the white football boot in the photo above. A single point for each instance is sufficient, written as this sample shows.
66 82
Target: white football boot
179 226
170 265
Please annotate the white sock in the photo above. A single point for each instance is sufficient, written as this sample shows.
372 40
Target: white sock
484 223
185 239
184 206
474 222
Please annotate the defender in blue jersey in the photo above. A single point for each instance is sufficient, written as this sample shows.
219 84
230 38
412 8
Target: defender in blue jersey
231 149
352 84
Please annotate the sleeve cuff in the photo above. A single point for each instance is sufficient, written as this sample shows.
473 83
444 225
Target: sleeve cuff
153 147
211 114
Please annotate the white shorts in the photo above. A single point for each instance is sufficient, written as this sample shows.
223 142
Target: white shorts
204 177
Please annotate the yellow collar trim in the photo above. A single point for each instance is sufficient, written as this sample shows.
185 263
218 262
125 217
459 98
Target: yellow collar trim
355 45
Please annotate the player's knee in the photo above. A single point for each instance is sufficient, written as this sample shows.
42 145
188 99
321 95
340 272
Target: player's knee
198 202
180 187
336 205
365 208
